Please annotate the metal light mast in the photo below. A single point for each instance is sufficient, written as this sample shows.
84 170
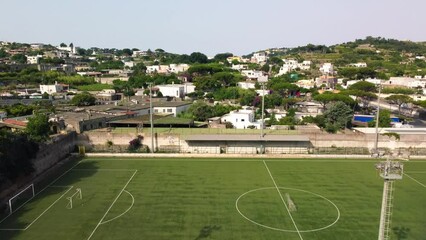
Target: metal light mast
390 170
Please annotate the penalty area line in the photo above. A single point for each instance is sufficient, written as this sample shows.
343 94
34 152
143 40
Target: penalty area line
112 204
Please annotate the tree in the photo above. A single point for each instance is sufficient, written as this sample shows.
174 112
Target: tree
38 127
326 98
221 57
399 100
16 154
363 86
3 53
337 116
197 57
19 58
384 119
200 111
83 99
62 45
127 51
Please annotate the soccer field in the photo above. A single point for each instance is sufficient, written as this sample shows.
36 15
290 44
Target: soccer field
219 199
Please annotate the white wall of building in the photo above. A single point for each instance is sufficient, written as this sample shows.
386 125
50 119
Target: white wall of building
172 90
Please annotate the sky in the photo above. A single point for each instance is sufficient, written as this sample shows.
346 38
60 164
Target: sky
209 26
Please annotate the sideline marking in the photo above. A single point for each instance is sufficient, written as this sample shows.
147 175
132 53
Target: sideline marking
105 169
282 199
200 159
415 180
286 230
112 204
131 205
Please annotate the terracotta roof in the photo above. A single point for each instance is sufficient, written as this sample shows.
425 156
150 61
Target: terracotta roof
15 122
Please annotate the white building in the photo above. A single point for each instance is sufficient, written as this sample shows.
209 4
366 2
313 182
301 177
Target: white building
172 90
239 67
50 89
171 107
291 65
327 68
405 82
260 57
177 68
157 69
72 49
33 59
247 85
241 119
129 64
251 74
358 65
188 88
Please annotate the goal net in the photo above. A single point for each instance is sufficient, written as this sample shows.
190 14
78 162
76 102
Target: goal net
76 195
291 206
21 198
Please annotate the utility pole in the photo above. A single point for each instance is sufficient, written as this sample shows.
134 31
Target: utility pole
150 116
263 109
376 149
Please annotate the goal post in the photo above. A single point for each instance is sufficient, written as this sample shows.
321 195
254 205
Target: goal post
77 195
21 198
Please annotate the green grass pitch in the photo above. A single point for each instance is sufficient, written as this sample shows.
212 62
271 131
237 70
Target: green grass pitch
220 199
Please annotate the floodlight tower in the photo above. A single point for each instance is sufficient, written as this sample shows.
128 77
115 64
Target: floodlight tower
390 170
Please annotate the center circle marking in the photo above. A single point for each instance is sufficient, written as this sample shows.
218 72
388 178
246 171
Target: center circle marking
287 230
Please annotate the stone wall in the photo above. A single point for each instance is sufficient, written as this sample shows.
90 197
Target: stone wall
52 153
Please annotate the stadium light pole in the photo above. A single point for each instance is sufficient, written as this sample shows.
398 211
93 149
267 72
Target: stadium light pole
150 116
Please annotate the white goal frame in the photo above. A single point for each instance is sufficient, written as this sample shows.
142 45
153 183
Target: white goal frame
16 195
79 196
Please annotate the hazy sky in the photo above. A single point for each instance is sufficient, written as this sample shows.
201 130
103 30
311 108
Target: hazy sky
209 26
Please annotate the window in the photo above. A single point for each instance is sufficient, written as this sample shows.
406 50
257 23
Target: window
169 110
242 120
156 110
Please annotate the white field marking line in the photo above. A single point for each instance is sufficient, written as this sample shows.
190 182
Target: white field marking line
286 230
415 180
51 205
104 169
133 201
234 160
59 186
415 171
42 190
282 199
112 204
47 209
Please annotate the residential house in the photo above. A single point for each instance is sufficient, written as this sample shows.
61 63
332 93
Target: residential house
247 85
33 59
308 84
241 119
259 57
53 88
405 82
327 69
239 67
172 90
162 69
173 107
107 95
358 65
234 58
327 81
252 74
178 68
